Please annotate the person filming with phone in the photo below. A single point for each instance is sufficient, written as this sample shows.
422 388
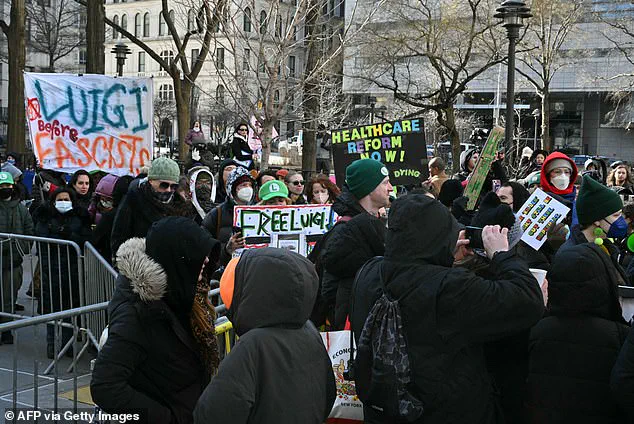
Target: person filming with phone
447 312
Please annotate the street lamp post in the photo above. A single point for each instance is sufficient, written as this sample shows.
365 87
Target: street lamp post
512 13
121 51
536 113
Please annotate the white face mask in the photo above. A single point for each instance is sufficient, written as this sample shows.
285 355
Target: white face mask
196 128
322 198
63 206
245 194
561 181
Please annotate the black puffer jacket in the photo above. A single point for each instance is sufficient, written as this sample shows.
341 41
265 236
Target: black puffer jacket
279 371
139 210
448 313
59 263
622 380
572 351
347 247
151 363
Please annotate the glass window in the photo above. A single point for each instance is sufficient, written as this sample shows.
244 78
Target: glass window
263 22
82 57
168 56
141 62
220 94
166 92
146 25
115 34
124 22
276 99
247 20
278 26
220 58
162 25
137 25
291 66
195 53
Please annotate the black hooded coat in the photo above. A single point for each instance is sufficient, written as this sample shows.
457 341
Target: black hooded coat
572 350
151 363
279 371
448 313
347 247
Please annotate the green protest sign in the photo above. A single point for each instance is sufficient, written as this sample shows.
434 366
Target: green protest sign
482 168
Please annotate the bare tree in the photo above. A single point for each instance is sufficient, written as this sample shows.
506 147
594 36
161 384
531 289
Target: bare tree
95 37
178 68
551 27
15 33
426 53
56 28
269 71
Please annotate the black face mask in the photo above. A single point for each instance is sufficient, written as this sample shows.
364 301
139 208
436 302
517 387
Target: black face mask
164 197
5 193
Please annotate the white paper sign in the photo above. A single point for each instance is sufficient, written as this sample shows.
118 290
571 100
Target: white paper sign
295 228
91 122
537 215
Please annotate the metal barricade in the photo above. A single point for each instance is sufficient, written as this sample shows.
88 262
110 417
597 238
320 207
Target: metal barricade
100 278
34 390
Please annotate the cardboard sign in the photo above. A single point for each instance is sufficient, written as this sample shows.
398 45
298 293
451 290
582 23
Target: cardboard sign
400 145
537 215
296 228
482 168
91 122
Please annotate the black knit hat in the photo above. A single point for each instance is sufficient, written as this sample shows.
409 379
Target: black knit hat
493 212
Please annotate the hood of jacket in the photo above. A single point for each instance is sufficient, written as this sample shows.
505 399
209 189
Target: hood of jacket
346 204
202 197
235 175
166 264
273 288
464 159
544 153
421 229
545 183
583 281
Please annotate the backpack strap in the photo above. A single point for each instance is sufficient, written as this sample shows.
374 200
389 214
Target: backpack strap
354 287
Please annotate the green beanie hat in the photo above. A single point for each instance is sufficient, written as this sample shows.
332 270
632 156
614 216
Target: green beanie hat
273 188
364 175
596 201
164 169
6 178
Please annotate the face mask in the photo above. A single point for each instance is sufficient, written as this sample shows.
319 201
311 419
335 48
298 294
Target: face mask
561 181
322 198
618 229
107 204
245 194
11 161
164 197
196 128
63 206
5 193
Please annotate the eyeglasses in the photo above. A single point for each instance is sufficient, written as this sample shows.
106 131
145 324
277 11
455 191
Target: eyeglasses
165 186
298 183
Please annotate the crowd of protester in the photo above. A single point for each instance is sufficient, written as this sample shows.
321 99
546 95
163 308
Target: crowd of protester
486 342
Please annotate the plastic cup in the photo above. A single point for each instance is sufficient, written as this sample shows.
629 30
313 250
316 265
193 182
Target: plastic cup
539 274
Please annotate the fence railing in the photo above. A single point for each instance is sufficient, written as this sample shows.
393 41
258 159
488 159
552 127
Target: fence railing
100 278
61 390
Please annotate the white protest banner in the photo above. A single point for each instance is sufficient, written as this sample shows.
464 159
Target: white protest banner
296 228
537 215
91 122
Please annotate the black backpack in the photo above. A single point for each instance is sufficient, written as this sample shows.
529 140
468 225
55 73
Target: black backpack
382 365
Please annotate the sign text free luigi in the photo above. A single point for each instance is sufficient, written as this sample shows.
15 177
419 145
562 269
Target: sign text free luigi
400 145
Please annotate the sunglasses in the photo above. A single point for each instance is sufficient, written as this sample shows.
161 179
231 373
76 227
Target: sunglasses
242 129
297 183
165 186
